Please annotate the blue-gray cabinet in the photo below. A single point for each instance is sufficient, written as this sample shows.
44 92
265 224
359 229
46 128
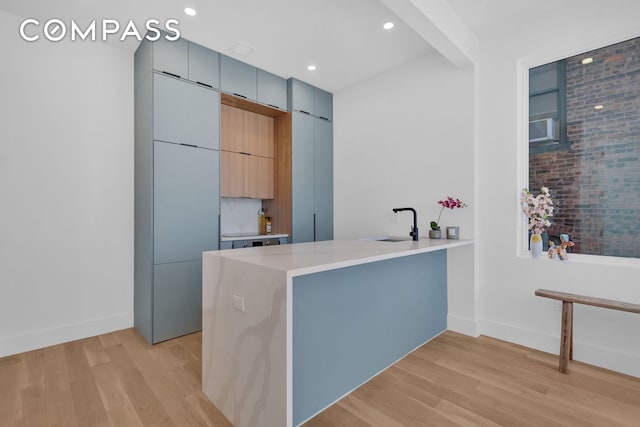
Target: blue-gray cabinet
204 66
300 96
177 294
272 90
185 113
311 162
186 201
311 179
309 99
238 78
302 179
180 58
322 104
323 178
177 184
170 57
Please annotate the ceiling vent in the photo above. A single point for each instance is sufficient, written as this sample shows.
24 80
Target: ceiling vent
242 49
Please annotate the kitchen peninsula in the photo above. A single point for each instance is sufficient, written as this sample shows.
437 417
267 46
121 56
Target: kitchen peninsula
290 329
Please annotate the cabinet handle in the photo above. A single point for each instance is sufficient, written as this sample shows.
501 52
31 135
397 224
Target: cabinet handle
204 84
314 227
171 74
242 152
241 96
324 118
274 106
304 112
189 145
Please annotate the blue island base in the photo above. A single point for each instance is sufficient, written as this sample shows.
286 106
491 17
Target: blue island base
350 324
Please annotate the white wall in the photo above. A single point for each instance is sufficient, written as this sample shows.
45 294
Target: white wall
509 309
406 138
66 190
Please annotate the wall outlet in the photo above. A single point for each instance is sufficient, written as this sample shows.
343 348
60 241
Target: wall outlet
238 303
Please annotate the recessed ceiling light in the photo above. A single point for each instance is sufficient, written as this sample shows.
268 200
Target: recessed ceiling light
311 68
190 11
388 25
586 61
599 107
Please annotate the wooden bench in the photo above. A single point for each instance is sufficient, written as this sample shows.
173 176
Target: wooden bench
566 332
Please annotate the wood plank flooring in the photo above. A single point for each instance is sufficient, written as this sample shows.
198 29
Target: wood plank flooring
456 380
115 379
118 380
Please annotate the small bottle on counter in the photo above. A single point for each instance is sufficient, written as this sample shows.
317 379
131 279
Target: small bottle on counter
267 224
261 221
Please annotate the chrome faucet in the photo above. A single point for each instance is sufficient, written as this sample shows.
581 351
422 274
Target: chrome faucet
414 229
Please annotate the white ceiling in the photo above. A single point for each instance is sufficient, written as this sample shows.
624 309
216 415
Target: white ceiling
481 15
344 38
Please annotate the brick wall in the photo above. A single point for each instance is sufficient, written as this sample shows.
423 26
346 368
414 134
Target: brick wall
595 177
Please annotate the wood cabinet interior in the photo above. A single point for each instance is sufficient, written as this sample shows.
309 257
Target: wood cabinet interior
256 156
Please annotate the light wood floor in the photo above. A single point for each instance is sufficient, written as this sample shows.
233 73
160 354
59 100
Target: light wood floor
115 380
118 380
458 380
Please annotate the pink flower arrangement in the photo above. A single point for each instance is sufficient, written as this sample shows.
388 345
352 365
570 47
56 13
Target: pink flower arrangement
449 203
538 209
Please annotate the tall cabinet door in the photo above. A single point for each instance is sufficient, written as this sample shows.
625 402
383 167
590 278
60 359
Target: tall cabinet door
323 183
185 113
302 178
186 202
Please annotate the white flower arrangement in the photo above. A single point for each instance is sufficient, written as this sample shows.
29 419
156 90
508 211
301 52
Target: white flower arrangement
538 209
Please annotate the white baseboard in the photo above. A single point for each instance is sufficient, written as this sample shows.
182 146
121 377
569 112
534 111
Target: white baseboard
592 354
462 325
51 336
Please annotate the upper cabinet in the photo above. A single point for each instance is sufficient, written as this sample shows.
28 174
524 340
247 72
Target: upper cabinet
180 58
247 132
322 104
238 78
171 57
300 96
310 100
272 90
204 66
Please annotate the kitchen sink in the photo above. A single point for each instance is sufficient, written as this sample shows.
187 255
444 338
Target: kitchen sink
392 240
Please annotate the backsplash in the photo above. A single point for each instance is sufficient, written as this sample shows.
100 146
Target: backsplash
239 215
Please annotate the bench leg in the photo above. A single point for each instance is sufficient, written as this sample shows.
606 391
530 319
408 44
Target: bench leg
566 336
571 337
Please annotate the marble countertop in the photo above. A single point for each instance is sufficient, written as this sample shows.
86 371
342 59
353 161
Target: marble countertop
306 258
